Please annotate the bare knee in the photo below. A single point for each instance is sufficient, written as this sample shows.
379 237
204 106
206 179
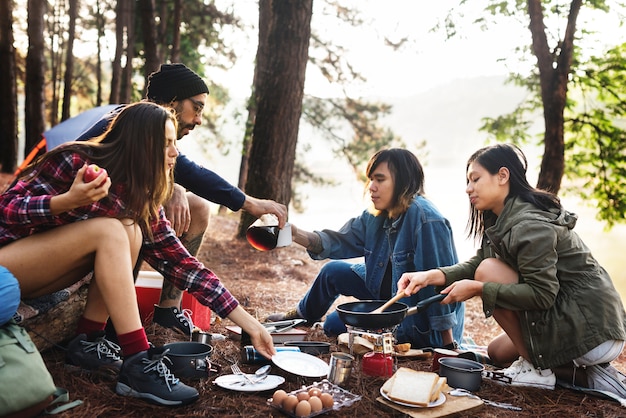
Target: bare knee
496 271
120 232
200 212
501 351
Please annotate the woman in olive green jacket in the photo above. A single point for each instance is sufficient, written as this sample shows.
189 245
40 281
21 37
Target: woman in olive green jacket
557 306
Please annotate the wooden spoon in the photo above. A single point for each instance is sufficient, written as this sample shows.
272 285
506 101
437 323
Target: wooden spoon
390 302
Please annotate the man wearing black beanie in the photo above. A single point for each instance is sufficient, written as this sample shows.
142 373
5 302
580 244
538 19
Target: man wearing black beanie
188 211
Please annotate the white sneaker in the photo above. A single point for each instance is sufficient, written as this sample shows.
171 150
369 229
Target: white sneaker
523 373
606 378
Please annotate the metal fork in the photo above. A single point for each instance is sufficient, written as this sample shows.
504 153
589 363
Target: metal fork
236 370
463 392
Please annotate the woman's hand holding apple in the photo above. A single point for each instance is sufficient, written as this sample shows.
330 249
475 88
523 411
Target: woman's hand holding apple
93 172
81 193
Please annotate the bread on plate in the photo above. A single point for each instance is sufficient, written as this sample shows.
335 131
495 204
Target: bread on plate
413 387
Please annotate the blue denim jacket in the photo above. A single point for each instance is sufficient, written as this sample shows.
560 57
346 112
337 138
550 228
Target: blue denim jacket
420 239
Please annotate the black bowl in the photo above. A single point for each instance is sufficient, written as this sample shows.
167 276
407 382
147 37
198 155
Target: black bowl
189 359
461 372
314 348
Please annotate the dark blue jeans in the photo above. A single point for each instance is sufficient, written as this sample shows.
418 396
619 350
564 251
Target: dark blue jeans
335 278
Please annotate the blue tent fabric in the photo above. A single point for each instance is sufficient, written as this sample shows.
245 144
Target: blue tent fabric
70 129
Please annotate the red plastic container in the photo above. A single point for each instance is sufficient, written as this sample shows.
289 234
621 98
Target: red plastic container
377 364
148 287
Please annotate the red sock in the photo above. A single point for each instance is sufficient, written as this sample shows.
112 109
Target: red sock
87 326
133 342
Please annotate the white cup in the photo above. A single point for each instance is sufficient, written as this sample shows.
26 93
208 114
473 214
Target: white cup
284 236
264 234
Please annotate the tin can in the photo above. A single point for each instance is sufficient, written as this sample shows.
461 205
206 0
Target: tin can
250 356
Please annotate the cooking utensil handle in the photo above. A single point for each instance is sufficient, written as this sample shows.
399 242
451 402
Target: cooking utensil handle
424 303
430 300
390 302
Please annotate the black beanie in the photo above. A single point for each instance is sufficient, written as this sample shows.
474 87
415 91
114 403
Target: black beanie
174 82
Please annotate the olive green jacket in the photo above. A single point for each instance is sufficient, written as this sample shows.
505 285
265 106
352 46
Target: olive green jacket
566 300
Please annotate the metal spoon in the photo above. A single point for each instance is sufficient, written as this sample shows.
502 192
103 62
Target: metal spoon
463 392
259 375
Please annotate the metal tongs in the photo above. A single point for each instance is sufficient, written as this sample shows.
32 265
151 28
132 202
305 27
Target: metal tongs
464 392
282 326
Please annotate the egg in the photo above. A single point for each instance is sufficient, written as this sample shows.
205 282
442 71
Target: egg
303 396
316 404
315 392
290 403
278 397
303 409
327 400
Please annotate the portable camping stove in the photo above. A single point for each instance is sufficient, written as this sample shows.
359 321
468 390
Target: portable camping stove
379 362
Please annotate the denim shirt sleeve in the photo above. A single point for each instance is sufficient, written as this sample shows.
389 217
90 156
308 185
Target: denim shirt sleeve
207 184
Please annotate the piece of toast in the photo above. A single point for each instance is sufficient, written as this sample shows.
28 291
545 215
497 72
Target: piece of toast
412 386
441 383
388 385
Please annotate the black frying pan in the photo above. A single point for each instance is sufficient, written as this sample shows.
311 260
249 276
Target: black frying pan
359 314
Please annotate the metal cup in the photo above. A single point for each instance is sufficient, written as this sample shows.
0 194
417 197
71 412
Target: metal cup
340 368
201 337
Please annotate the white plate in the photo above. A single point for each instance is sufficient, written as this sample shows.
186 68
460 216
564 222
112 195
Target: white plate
301 364
234 382
440 400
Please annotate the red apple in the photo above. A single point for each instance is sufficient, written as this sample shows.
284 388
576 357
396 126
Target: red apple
94 171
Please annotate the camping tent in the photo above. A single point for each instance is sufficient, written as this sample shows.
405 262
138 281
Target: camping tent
66 131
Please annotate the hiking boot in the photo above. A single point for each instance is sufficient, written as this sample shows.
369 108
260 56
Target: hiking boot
146 375
284 316
523 373
93 353
173 318
606 378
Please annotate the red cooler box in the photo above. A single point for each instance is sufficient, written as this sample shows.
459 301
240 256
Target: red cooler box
148 287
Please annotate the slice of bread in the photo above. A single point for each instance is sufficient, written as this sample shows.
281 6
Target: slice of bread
412 386
438 388
388 385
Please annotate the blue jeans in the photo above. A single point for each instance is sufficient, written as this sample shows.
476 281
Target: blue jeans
335 278
9 295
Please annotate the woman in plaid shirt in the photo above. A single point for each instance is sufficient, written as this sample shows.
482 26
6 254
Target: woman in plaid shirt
55 228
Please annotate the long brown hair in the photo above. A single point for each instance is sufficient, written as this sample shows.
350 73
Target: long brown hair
132 150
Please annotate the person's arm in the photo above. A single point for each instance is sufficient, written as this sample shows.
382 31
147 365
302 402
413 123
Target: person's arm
38 201
210 186
260 337
309 240
177 210
207 184
259 207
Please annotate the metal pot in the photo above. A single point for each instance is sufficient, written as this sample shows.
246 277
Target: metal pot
461 372
359 314
189 359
